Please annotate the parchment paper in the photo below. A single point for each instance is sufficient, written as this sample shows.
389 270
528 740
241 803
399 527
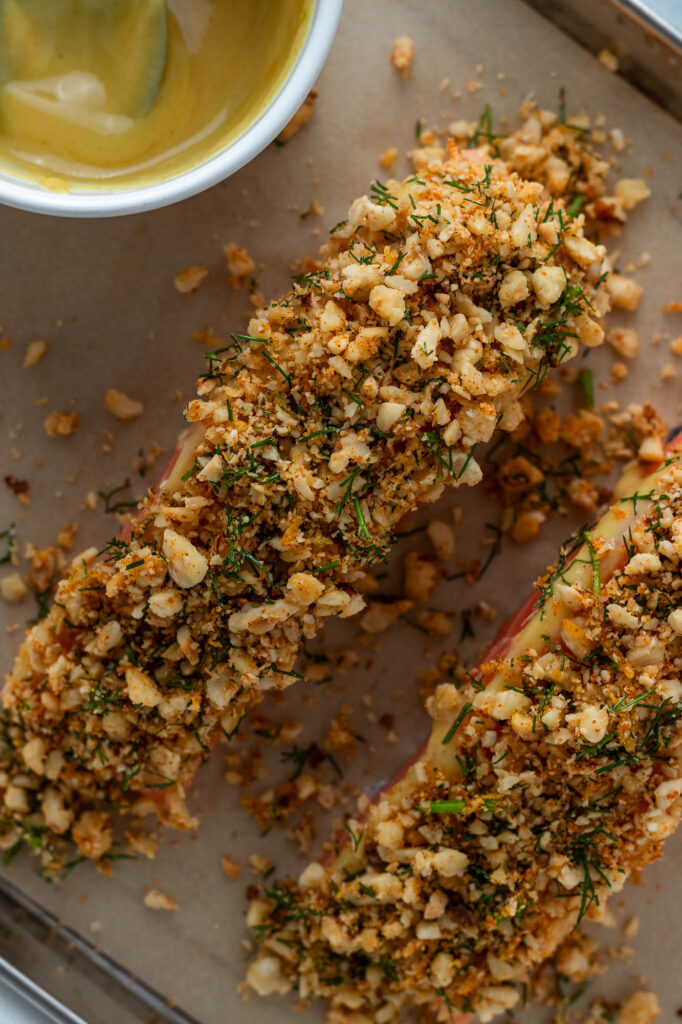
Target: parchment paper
101 294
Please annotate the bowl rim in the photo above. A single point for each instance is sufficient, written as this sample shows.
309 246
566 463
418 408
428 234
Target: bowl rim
267 125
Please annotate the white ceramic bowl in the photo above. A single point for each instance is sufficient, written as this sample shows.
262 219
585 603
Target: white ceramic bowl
25 195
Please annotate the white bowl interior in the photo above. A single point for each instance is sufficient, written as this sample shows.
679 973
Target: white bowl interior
27 195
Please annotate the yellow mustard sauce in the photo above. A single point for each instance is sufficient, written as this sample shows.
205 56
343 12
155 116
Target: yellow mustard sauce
118 93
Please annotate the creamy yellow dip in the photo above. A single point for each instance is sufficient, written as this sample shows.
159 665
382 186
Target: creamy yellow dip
123 92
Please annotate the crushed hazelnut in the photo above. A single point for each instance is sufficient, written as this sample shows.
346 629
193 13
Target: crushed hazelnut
35 351
12 588
231 870
190 279
61 424
121 406
402 53
155 899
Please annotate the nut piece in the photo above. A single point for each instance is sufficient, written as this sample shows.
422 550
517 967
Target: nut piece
388 303
608 60
388 414
35 350
548 284
642 1008
304 588
675 620
143 844
631 191
402 53
425 348
189 279
513 289
421 577
157 900
230 869
13 588
380 617
93 834
624 340
260 865
61 424
442 538
593 723
527 525
239 264
389 834
141 688
582 250
623 291
165 603
450 863
265 977
186 564
121 406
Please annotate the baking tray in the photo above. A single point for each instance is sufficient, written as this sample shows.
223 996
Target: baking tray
644 35
101 295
